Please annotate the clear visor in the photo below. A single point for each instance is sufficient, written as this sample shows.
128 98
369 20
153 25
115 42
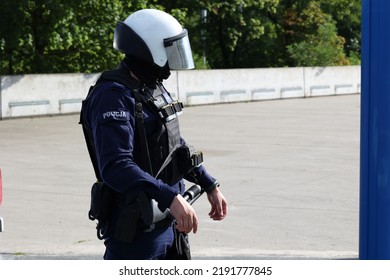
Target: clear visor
179 52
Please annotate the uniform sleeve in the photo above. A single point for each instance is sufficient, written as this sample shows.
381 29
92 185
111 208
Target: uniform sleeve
200 176
113 128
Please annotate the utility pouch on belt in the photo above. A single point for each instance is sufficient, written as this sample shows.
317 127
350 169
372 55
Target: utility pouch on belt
127 223
102 200
102 197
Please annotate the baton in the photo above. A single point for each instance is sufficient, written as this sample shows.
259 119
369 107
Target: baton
193 193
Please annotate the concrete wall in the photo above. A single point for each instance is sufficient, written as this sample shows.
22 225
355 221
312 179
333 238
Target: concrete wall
48 94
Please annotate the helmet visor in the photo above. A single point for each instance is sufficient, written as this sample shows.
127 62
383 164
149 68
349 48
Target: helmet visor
179 51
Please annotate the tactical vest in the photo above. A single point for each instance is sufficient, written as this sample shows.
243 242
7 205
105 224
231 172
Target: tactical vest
163 138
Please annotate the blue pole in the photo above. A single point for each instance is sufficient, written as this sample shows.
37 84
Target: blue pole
374 235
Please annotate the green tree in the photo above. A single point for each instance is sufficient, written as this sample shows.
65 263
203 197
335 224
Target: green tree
310 36
347 15
25 28
323 48
50 36
232 31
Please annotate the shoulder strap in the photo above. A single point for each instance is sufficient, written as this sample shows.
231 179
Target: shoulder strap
143 141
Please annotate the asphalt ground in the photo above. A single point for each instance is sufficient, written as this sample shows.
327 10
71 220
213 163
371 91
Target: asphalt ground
288 168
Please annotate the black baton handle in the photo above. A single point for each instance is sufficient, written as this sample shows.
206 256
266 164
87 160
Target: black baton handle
193 193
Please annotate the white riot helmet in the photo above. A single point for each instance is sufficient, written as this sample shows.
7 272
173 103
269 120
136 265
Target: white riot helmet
155 37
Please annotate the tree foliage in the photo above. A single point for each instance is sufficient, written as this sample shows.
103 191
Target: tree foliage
311 37
52 36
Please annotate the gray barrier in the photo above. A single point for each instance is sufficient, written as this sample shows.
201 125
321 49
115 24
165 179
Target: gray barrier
51 94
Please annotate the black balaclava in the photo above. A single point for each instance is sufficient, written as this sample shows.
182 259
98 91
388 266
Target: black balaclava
146 72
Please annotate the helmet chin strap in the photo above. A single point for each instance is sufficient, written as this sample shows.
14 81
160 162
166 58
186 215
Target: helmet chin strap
147 73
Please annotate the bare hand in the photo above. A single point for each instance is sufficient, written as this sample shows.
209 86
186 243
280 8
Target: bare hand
218 203
184 214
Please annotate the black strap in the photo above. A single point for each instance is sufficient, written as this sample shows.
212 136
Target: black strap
145 163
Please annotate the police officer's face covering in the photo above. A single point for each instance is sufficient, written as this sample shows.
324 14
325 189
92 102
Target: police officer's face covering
146 72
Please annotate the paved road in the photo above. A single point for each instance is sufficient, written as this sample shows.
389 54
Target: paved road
289 169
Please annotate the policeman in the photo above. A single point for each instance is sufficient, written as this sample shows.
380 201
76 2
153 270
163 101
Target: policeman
130 122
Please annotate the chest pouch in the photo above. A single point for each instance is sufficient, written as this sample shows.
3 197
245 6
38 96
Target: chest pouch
167 108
